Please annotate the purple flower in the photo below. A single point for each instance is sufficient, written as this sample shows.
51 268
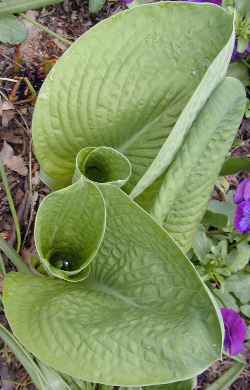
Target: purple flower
242 200
235 331
242 217
243 191
238 56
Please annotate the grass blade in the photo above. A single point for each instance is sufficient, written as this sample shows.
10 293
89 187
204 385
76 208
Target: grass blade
13 256
228 378
2 266
11 204
24 357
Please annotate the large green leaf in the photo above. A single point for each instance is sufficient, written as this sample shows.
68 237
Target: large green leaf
182 198
214 74
235 164
125 83
141 316
12 30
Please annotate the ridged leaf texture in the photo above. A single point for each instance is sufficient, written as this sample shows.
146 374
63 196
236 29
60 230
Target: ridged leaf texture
141 315
186 188
140 103
125 83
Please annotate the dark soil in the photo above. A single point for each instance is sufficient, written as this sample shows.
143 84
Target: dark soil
32 60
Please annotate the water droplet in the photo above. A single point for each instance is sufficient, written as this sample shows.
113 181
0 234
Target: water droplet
62 261
67 265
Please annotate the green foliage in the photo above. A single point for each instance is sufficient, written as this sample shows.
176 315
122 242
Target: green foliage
235 164
185 190
239 71
12 30
132 308
13 256
221 254
222 257
136 111
228 378
4 180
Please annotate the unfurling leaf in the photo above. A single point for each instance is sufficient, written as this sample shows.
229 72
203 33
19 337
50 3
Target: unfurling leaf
141 305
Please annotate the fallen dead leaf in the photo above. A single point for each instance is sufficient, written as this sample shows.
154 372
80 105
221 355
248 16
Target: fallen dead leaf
7 112
7 152
30 48
14 163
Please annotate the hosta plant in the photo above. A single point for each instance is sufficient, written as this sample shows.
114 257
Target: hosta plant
131 129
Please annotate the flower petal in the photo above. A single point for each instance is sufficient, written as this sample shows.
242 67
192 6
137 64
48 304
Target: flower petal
242 217
243 191
235 331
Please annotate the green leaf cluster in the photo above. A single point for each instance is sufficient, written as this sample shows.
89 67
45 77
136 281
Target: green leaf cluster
222 256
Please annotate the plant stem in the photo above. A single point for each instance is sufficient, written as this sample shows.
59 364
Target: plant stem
11 204
13 256
30 86
2 266
47 30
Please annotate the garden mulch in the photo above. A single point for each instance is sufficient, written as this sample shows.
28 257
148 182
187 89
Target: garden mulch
32 60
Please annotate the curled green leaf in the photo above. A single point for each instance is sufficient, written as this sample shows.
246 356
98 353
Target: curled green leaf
140 307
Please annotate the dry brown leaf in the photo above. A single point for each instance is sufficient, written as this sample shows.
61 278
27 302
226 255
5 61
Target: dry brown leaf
7 152
7 112
14 163
30 48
